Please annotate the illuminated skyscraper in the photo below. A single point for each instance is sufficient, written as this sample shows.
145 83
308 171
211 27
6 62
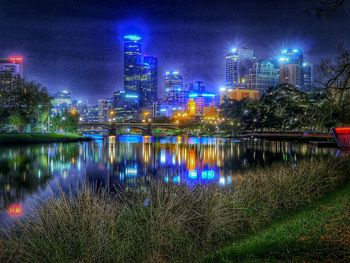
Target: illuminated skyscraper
307 76
290 67
132 62
238 63
149 79
105 107
11 67
201 97
262 76
62 101
173 88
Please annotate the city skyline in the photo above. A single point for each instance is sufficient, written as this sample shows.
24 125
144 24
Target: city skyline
93 66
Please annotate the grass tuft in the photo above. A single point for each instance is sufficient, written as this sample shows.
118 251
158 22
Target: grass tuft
167 223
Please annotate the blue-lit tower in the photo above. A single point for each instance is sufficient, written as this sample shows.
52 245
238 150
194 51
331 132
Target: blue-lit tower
132 62
173 88
238 63
149 79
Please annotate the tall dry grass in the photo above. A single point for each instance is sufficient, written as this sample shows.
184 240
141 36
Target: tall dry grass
168 223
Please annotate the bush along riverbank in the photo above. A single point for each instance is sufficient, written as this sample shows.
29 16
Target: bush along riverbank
26 138
169 223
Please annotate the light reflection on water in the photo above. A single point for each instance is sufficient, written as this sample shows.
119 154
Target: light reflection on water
35 171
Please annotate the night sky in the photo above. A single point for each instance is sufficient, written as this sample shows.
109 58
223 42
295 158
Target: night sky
77 45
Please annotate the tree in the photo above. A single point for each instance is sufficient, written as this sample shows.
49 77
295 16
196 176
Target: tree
335 82
67 121
23 103
284 107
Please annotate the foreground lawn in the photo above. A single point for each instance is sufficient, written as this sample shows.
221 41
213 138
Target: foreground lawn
39 137
318 233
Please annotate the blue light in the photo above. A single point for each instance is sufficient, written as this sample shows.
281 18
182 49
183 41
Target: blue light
284 51
162 110
131 96
93 136
195 95
132 37
176 179
192 174
283 59
208 175
130 138
295 50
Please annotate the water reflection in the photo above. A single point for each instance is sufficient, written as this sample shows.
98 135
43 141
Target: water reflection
30 172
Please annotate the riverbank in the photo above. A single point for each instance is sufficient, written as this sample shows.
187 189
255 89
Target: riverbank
318 233
27 138
167 222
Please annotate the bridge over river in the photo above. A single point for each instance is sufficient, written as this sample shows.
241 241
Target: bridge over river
111 127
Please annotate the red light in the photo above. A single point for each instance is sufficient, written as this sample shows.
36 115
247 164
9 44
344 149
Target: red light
342 136
342 130
16 59
15 210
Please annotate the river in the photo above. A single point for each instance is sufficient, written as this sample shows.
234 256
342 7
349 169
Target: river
31 172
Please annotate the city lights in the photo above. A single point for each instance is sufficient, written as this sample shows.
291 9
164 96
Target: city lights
132 37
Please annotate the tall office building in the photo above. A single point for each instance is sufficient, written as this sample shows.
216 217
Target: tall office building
140 76
262 76
307 76
238 63
173 88
132 62
201 97
291 67
10 68
61 102
148 78
196 86
105 107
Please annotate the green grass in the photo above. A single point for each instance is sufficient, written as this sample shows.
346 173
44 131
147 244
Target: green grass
319 232
177 224
39 137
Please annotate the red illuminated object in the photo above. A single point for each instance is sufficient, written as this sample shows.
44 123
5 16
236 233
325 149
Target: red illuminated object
15 210
342 136
16 60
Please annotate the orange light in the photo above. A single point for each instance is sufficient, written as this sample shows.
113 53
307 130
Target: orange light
15 210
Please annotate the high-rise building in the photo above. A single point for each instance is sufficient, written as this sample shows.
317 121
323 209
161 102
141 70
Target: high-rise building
92 114
201 97
307 76
10 68
238 63
105 107
196 86
149 79
291 67
62 101
140 77
173 88
132 62
262 76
